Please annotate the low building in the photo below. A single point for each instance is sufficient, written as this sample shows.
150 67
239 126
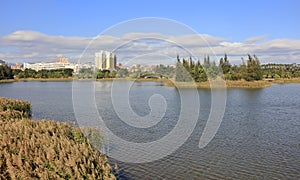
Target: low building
83 66
49 66
17 66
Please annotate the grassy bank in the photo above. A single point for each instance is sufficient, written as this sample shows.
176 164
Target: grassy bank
241 84
134 79
45 79
36 79
248 84
31 149
286 80
7 80
201 85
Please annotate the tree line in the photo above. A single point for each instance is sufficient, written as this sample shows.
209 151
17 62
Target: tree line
185 70
7 73
272 70
188 69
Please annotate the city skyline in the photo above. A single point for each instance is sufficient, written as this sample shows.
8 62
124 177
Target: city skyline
268 29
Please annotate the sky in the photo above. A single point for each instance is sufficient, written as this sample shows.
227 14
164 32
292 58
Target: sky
34 30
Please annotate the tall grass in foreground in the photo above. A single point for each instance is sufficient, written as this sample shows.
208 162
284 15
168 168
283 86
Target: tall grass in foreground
31 149
10 108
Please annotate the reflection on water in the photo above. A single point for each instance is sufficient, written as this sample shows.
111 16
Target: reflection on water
258 138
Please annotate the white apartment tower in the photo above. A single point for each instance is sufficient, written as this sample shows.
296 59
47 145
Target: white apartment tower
105 60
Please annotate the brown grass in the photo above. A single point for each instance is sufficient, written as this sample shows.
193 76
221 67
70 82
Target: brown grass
31 149
7 80
248 84
11 109
286 80
220 84
46 79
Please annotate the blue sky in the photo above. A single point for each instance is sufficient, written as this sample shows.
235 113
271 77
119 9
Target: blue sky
235 21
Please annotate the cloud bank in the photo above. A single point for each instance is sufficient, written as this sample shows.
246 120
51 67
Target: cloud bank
32 46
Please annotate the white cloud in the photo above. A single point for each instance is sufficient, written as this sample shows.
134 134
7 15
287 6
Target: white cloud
32 46
255 39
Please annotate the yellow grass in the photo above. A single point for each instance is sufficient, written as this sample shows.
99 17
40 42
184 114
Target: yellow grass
31 149
45 79
248 84
286 80
7 80
219 84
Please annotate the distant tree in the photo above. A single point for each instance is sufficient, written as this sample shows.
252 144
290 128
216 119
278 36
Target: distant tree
113 74
100 75
122 73
224 64
253 69
202 77
165 71
206 63
6 72
181 72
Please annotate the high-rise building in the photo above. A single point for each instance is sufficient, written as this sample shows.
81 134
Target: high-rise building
105 60
63 59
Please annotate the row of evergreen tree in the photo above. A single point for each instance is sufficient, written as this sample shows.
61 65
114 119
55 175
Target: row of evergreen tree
188 69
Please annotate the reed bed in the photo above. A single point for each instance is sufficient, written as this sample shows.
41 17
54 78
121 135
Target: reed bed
32 149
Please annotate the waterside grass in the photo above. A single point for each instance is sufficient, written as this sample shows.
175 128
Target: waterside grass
287 80
31 149
220 84
7 80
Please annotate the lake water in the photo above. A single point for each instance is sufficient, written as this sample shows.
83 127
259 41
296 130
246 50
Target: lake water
259 137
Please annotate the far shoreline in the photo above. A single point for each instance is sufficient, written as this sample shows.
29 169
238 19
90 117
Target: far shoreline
239 84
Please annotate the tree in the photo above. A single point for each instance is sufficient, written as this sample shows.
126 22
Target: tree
100 75
224 64
6 72
181 72
253 69
165 71
122 73
113 74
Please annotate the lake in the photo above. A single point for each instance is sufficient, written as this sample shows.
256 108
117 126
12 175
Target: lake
259 137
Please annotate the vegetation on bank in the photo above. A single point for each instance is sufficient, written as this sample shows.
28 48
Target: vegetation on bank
14 109
287 80
31 149
7 80
185 70
43 74
6 72
217 84
188 70
281 71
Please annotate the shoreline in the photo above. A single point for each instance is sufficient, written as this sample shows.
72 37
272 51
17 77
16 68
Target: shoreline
221 84
285 80
44 80
239 84
7 81
35 79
